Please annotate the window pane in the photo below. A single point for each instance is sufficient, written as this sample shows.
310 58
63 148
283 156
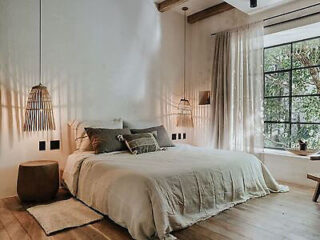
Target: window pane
276 109
277 58
306 132
306 53
276 135
306 109
306 81
277 84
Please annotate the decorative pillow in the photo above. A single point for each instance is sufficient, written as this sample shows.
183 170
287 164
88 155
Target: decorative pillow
162 135
105 140
79 138
140 143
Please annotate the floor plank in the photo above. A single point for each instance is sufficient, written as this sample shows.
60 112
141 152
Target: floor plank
3 233
11 224
112 230
28 223
290 215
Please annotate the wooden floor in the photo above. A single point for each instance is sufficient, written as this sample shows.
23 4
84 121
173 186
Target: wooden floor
290 215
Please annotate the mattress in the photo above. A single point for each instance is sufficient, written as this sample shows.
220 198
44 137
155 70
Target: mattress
156 193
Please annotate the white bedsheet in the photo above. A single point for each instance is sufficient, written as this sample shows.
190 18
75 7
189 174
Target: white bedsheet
156 193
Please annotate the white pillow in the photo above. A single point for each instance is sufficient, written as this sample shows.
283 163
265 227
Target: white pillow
80 137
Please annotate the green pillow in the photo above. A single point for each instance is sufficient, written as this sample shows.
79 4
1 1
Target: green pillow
105 140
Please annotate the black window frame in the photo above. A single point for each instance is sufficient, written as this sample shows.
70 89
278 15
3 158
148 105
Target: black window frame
290 96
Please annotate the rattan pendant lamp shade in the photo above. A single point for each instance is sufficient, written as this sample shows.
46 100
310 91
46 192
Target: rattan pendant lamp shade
184 118
39 112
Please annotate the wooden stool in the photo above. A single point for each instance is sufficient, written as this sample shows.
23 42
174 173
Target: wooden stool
315 177
38 180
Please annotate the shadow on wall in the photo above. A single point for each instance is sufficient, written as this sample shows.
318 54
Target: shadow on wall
171 72
199 79
88 65
15 74
12 105
111 65
7 185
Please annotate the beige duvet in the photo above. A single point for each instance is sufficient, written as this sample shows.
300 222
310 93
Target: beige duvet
156 193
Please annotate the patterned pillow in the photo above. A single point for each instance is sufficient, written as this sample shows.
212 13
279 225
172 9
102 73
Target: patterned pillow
162 136
140 143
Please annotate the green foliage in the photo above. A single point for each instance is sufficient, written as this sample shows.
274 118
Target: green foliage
306 109
277 135
286 90
309 132
277 58
303 83
306 53
276 109
277 84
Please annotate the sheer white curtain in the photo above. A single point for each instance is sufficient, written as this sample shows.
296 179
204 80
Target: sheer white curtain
237 88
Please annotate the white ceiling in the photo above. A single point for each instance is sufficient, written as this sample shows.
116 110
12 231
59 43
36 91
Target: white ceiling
242 5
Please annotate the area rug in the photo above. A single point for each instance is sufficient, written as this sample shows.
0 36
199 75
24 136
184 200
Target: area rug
64 214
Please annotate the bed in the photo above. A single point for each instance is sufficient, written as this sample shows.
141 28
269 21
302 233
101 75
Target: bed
154 194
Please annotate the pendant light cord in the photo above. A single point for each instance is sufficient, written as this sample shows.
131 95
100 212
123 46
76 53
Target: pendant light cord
40 42
185 50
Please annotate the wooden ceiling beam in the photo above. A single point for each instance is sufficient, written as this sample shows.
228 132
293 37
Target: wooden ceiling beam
209 12
168 4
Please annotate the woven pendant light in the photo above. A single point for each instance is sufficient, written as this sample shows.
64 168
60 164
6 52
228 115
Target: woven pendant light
39 113
184 118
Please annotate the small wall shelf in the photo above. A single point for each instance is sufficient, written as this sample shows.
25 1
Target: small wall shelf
204 97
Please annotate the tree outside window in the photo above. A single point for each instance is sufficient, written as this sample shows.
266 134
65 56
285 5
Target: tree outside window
292 94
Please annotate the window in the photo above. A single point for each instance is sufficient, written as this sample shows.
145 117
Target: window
292 94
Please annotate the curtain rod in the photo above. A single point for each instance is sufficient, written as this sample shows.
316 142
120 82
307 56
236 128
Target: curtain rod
289 20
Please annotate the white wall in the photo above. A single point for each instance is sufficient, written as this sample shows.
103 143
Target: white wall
294 169
101 59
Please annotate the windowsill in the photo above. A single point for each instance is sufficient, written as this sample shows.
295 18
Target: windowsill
283 153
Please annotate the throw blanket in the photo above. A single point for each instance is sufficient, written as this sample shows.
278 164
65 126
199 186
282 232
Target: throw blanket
156 193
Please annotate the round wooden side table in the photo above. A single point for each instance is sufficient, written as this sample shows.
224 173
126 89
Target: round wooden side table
38 180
